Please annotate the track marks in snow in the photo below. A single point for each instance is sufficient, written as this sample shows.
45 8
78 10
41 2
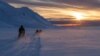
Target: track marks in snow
25 46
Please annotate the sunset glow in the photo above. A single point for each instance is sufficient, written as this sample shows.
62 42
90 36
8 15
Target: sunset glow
54 11
78 16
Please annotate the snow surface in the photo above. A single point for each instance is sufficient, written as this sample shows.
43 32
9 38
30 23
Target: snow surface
10 45
71 42
51 42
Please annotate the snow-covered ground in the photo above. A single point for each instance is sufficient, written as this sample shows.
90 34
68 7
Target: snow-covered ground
11 45
71 42
51 42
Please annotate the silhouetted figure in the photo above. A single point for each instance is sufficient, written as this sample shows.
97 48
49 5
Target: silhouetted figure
21 31
38 31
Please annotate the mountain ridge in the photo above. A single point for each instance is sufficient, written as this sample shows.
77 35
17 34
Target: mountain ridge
22 16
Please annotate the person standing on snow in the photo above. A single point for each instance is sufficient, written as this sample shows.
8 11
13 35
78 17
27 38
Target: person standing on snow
21 31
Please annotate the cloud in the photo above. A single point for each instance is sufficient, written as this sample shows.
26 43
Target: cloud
35 3
55 8
90 4
85 3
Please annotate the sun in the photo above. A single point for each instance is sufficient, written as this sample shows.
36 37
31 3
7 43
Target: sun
78 15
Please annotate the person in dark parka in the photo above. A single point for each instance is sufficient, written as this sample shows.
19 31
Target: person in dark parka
21 31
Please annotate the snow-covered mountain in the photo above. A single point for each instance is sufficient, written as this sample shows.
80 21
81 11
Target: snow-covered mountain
14 17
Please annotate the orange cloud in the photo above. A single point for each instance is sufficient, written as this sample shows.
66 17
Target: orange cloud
63 12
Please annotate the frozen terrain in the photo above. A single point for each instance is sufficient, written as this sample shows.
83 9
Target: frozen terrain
51 42
71 42
11 45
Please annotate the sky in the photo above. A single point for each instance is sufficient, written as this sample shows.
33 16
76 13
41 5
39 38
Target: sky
62 9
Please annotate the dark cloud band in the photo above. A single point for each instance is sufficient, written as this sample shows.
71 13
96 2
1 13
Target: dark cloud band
95 4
